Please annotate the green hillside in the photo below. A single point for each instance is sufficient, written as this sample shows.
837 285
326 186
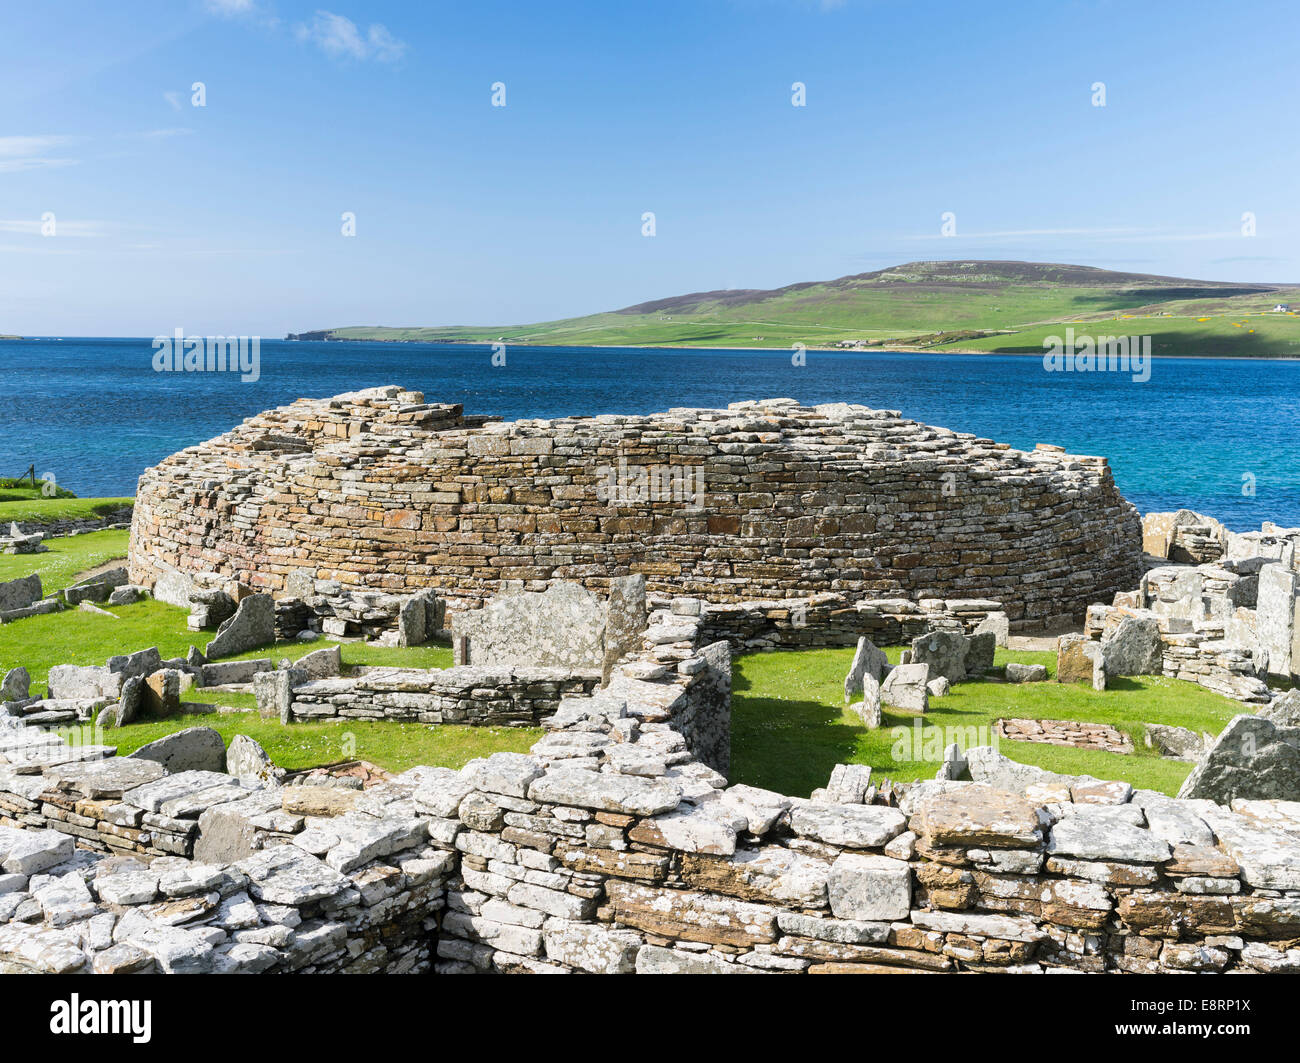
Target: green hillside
984 306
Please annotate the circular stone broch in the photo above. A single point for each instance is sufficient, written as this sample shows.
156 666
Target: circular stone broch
770 499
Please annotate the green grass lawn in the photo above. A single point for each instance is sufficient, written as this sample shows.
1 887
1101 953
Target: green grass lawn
790 726
59 565
394 746
76 637
27 505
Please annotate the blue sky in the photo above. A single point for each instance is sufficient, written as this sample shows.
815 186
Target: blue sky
226 218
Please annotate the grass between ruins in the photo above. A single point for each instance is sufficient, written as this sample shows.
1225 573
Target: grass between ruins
789 723
790 726
66 557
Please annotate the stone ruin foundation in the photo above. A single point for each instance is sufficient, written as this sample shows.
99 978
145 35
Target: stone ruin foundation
617 845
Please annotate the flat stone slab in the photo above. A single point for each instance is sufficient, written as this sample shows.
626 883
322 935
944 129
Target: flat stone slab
104 778
33 760
287 875
978 815
606 792
1001 927
27 852
855 826
152 795
1094 834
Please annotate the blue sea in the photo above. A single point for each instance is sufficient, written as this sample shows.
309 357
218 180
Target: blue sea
1215 435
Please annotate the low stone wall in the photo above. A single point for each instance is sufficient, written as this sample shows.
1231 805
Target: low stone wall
369 903
837 620
485 697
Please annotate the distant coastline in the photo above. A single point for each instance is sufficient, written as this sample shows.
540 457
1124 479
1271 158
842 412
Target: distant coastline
957 307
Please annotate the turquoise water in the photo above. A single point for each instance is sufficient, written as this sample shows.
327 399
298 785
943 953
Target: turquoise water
95 413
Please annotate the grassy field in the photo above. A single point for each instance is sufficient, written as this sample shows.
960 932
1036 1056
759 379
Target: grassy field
17 505
59 565
76 637
790 726
394 746
905 305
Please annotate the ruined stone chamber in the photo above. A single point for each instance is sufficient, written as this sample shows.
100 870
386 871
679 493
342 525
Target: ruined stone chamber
380 490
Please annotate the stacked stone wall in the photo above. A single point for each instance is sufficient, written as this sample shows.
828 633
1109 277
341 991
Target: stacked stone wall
383 491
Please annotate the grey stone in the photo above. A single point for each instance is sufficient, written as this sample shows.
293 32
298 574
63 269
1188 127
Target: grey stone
247 761
905 687
597 949
274 693
20 593
852 826
625 619
1134 648
1284 710
980 651
1277 617
190 750
130 702
869 888
1177 743
1252 759
322 663
868 661
564 627
411 618
944 652
1026 673
606 792
869 708
999 624
1093 833
252 625
17 685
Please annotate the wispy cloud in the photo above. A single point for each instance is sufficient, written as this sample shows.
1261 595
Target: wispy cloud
162 134
32 153
173 98
341 38
230 8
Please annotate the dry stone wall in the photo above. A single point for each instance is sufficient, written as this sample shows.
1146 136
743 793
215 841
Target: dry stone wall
383 491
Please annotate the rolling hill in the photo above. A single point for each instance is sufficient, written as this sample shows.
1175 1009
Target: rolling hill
955 306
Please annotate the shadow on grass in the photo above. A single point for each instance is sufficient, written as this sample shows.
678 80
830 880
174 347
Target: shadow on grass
788 746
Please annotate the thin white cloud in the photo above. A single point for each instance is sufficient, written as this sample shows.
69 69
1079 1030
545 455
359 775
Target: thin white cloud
173 98
11 147
161 134
229 8
19 153
341 38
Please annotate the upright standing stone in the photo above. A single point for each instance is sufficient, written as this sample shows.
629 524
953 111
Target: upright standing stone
944 652
867 661
980 651
999 624
1277 614
253 625
1134 648
625 620
905 687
